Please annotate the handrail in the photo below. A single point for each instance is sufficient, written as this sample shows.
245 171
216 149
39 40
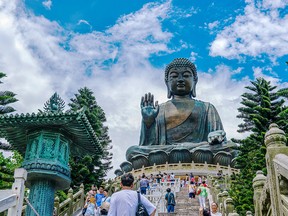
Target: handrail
73 203
12 200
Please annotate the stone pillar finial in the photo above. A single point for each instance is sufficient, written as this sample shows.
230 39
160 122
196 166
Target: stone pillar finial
249 213
258 184
229 205
275 136
259 180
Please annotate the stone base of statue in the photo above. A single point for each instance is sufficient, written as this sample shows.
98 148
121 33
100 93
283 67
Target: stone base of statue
138 156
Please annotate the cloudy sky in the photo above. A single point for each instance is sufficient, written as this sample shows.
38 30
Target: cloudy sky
119 49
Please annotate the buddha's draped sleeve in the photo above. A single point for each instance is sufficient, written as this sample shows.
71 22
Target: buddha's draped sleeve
213 121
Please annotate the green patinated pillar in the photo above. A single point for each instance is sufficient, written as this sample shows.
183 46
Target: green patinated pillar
46 161
41 191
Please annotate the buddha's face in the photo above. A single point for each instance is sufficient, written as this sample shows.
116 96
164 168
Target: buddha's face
180 81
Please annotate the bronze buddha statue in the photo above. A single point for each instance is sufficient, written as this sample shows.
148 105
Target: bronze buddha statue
181 129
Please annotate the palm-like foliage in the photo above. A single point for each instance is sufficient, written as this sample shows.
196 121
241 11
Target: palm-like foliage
6 98
91 170
262 105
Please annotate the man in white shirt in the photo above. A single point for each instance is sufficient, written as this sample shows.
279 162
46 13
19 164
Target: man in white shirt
125 202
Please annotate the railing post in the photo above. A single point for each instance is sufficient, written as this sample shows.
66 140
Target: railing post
249 213
229 207
224 197
18 187
57 205
275 142
220 202
233 214
258 184
82 195
70 196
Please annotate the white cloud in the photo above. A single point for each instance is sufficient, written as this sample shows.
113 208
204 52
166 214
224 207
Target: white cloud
47 4
213 25
219 88
40 57
193 56
256 32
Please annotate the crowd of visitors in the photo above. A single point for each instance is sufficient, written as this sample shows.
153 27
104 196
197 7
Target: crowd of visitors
126 202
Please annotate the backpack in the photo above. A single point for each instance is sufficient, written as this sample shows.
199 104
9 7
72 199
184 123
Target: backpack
198 191
141 210
172 199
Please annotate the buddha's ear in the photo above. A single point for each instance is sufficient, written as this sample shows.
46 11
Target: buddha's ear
169 93
193 89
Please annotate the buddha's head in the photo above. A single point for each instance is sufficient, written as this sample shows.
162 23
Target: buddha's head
181 78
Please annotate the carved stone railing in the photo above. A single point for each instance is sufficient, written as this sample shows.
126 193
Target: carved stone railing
271 192
72 204
156 194
12 200
183 168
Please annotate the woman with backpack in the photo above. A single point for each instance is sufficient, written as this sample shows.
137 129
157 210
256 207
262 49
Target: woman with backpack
191 190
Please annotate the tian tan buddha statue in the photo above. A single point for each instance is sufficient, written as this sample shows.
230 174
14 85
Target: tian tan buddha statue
182 129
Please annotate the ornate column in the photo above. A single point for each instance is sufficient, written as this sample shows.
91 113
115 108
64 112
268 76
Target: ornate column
258 184
46 139
275 141
46 160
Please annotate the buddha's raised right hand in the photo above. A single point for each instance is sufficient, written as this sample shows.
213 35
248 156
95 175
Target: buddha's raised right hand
149 110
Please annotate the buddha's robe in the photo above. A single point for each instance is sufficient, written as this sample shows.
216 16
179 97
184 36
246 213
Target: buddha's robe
185 122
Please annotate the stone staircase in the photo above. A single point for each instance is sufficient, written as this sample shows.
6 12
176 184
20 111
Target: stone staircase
184 205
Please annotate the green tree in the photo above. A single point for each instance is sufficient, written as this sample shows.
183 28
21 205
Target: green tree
6 98
262 105
91 169
7 167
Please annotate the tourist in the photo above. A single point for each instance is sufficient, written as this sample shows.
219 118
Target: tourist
125 202
98 198
206 212
169 197
105 203
144 182
172 178
159 177
202 192
214 210
205 184
191 190
90 206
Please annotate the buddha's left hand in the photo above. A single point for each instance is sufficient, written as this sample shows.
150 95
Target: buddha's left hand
216 137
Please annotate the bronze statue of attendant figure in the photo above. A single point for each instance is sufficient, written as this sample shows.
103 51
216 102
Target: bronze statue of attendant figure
181 128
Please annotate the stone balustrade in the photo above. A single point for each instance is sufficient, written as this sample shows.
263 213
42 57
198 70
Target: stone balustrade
183 168
271 191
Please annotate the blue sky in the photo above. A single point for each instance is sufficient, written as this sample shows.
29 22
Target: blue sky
119 49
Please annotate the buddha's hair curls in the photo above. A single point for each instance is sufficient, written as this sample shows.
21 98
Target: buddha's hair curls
181 62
